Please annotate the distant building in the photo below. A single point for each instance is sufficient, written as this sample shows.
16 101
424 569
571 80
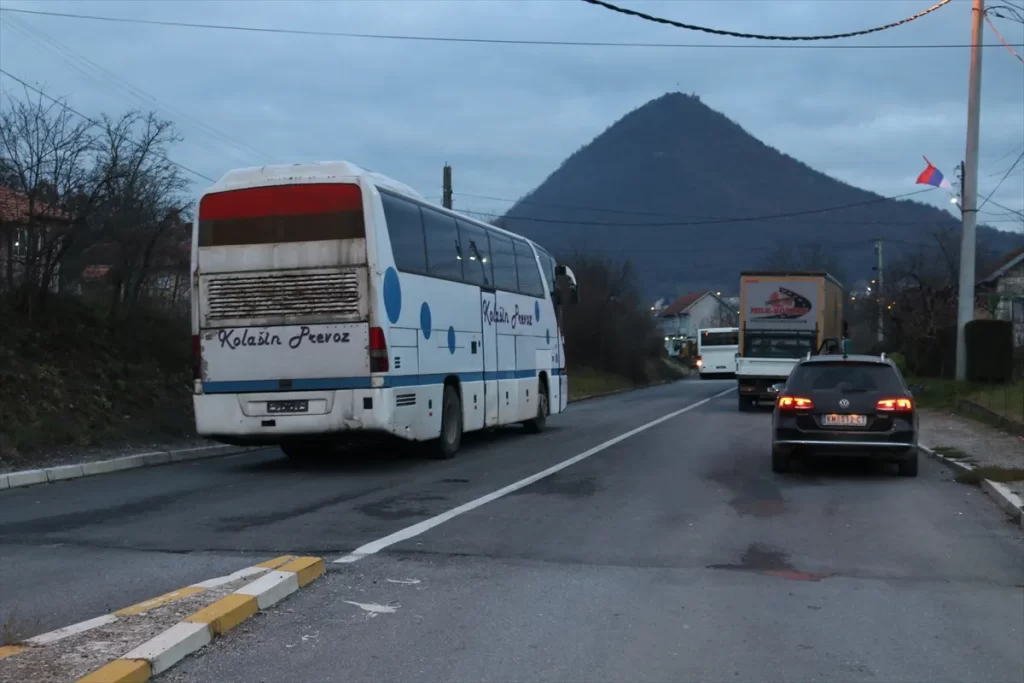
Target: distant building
28 232
680 320
1003 292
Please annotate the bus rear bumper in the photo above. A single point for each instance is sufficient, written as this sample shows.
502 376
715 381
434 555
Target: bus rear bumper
252 418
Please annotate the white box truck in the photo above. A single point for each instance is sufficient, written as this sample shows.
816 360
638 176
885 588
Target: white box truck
783 317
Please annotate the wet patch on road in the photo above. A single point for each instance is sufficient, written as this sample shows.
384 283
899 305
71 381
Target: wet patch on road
404 507
567 485
753 495
761 559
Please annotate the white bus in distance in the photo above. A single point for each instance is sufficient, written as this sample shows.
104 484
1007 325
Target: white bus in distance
327 299
716 351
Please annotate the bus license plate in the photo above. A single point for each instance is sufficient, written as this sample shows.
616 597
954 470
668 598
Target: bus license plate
845 420
287 406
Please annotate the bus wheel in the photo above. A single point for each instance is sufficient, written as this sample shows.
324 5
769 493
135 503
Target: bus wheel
451 424
537 424
303 452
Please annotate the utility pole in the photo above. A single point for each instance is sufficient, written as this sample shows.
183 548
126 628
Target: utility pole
446 193
965 307
878 293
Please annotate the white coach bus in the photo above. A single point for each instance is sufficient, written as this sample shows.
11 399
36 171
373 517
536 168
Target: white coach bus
328 299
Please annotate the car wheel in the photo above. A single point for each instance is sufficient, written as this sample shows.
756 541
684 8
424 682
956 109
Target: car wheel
447 443
780 461
745 404
908 466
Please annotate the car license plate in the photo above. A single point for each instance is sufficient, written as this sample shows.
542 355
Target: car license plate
287 406
845 420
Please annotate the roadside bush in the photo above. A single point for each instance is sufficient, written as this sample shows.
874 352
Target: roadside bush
609 330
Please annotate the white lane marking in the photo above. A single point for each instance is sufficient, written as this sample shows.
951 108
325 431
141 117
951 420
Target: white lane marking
416 529
406 582
373 609
74 629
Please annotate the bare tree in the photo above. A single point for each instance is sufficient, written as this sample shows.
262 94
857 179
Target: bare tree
46 162
812 257
922 290
137 221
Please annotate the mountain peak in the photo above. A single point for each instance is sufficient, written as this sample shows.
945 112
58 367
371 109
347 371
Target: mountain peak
691 198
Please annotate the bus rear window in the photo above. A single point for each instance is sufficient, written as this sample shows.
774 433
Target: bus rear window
281 213
720 339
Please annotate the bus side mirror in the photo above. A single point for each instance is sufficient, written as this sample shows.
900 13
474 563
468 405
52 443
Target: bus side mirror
566 272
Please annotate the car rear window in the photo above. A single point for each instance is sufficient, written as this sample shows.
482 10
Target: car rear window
845 376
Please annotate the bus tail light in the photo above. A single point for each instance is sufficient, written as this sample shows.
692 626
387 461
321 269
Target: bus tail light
700 362
795 403
378 350
197 359
894 405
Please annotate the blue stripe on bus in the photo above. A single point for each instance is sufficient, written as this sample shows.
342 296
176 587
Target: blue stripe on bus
331 383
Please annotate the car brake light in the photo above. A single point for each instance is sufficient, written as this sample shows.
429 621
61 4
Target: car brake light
378 350
895 405
197 358
795 403
700 361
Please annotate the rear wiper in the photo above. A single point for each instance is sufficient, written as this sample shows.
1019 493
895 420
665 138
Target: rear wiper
855 391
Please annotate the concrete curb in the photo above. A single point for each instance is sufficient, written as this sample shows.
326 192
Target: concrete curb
186 637
46 475
1004 497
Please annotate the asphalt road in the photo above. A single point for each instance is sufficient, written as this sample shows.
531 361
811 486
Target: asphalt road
674 554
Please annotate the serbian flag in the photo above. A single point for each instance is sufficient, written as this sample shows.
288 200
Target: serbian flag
933 176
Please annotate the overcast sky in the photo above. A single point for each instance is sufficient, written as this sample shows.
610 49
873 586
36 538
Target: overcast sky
505 116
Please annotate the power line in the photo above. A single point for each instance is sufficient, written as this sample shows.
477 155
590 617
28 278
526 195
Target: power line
709 220
761 36
1002 40
107 79
93 122
481 41
1001 180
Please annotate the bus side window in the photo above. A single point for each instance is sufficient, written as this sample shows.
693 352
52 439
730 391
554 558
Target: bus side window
405 228
530 282
476 254
443 255
547 265
504 256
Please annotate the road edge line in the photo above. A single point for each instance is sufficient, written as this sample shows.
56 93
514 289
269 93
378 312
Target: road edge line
199 629
1006 499
46 475
421 527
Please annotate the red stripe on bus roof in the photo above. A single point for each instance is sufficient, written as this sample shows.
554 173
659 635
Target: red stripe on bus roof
280 200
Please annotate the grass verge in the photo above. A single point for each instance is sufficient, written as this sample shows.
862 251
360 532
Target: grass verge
587 382
70 378
1003 475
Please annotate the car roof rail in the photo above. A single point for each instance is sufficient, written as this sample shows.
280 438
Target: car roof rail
808 357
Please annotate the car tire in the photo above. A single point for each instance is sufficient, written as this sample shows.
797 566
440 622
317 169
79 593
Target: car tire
745 404
537 424
908 466
447 443
780 462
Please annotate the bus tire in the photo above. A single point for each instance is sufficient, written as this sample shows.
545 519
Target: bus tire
447 444
537 424
302 453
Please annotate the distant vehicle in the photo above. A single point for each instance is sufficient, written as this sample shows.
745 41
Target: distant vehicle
716 351
834 405
783 317
329 299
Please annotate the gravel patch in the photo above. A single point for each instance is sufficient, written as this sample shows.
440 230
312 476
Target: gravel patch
72 658
983 445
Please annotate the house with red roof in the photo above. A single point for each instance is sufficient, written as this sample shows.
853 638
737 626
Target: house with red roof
26 227
680 320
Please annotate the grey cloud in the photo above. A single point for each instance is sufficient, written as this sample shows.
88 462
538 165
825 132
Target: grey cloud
505 116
